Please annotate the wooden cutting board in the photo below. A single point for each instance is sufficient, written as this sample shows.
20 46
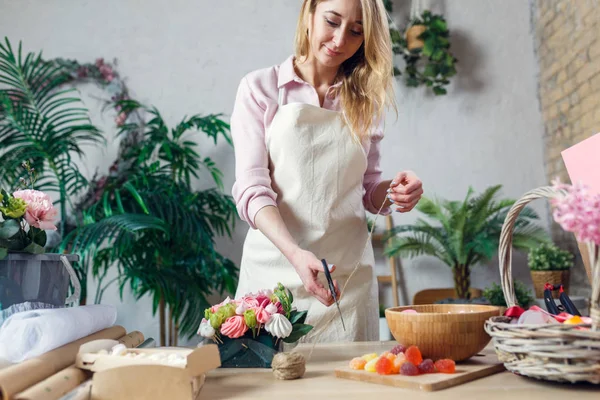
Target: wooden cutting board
477 367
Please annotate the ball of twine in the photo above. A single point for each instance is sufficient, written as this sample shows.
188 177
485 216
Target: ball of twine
288 366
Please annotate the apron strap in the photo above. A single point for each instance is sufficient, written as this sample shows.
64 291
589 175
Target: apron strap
280 100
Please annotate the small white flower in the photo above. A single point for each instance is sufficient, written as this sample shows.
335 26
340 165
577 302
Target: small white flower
279 326
206 330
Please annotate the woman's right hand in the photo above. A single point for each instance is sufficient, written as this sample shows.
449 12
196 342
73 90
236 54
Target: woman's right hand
308 267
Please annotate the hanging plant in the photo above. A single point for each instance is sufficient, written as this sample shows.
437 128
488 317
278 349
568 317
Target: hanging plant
425 47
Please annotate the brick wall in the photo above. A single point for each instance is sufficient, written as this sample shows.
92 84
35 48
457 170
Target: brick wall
567 44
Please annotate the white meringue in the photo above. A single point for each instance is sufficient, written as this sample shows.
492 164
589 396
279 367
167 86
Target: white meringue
206 330
241 308
279 326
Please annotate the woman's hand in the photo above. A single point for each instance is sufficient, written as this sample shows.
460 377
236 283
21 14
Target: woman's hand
405 191
308 267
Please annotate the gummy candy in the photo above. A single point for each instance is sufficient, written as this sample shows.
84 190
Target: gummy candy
445 366
427 367
391 356
574 320
370 366
358 363
413 355
398 349
370 356
384 366
400 359
409 369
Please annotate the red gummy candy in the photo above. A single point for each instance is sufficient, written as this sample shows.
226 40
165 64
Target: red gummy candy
384 366
397 349
445 366
409 369
413 355
427 367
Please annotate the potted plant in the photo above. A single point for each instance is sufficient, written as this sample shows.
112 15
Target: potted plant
425 48
30 278
495 297
47 125
251 330
549 264
463 233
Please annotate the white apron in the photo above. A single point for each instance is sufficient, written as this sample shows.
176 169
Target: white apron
317 172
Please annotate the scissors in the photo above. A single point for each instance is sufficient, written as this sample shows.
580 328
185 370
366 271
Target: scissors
332 289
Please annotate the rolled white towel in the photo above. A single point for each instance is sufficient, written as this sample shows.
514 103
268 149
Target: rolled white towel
29 334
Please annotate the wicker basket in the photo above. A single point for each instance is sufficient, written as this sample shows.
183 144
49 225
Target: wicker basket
554 352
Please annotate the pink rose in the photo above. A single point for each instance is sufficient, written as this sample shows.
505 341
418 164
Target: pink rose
234 327
262 316
40 211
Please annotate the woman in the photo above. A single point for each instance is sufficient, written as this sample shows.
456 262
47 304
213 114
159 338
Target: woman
306 138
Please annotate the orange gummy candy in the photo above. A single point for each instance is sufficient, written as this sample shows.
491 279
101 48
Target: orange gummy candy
390 356
445 366
384 366
413 355
397 364
358 363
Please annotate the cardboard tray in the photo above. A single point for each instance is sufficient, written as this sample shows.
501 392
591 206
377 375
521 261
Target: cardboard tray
119 377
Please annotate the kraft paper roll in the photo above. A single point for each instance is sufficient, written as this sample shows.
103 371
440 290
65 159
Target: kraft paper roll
69 378
19 377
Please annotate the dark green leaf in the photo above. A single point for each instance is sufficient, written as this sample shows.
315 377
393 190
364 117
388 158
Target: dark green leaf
298 332
3 252
34 248
438 90
9 228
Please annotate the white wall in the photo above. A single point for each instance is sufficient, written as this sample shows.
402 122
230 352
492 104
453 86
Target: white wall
187 57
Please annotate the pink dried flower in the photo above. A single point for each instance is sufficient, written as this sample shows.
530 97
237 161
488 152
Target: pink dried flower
577 210
40 211
262 301
262 315
121 118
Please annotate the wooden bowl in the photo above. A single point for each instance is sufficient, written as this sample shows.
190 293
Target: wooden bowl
454 331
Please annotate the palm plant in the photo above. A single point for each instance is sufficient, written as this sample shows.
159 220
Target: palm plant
174 259
42 124
466 233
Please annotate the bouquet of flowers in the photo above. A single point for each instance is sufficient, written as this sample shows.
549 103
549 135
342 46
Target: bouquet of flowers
577 210
25 216
268 312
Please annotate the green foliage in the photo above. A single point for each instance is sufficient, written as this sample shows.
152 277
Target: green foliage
464 233
432 64
155 227
43 124
495 295
548 257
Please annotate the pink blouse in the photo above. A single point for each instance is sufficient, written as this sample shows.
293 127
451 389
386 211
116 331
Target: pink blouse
254 109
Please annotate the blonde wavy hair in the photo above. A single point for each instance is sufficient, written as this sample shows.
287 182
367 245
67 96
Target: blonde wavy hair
367 76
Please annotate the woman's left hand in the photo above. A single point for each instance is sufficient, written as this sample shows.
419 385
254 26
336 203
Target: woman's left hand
405 191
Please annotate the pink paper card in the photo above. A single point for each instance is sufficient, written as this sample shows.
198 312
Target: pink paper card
583 162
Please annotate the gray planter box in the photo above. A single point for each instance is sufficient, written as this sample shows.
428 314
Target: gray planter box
30 281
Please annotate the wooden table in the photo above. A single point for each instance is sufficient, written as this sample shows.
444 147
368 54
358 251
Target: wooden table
319 382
